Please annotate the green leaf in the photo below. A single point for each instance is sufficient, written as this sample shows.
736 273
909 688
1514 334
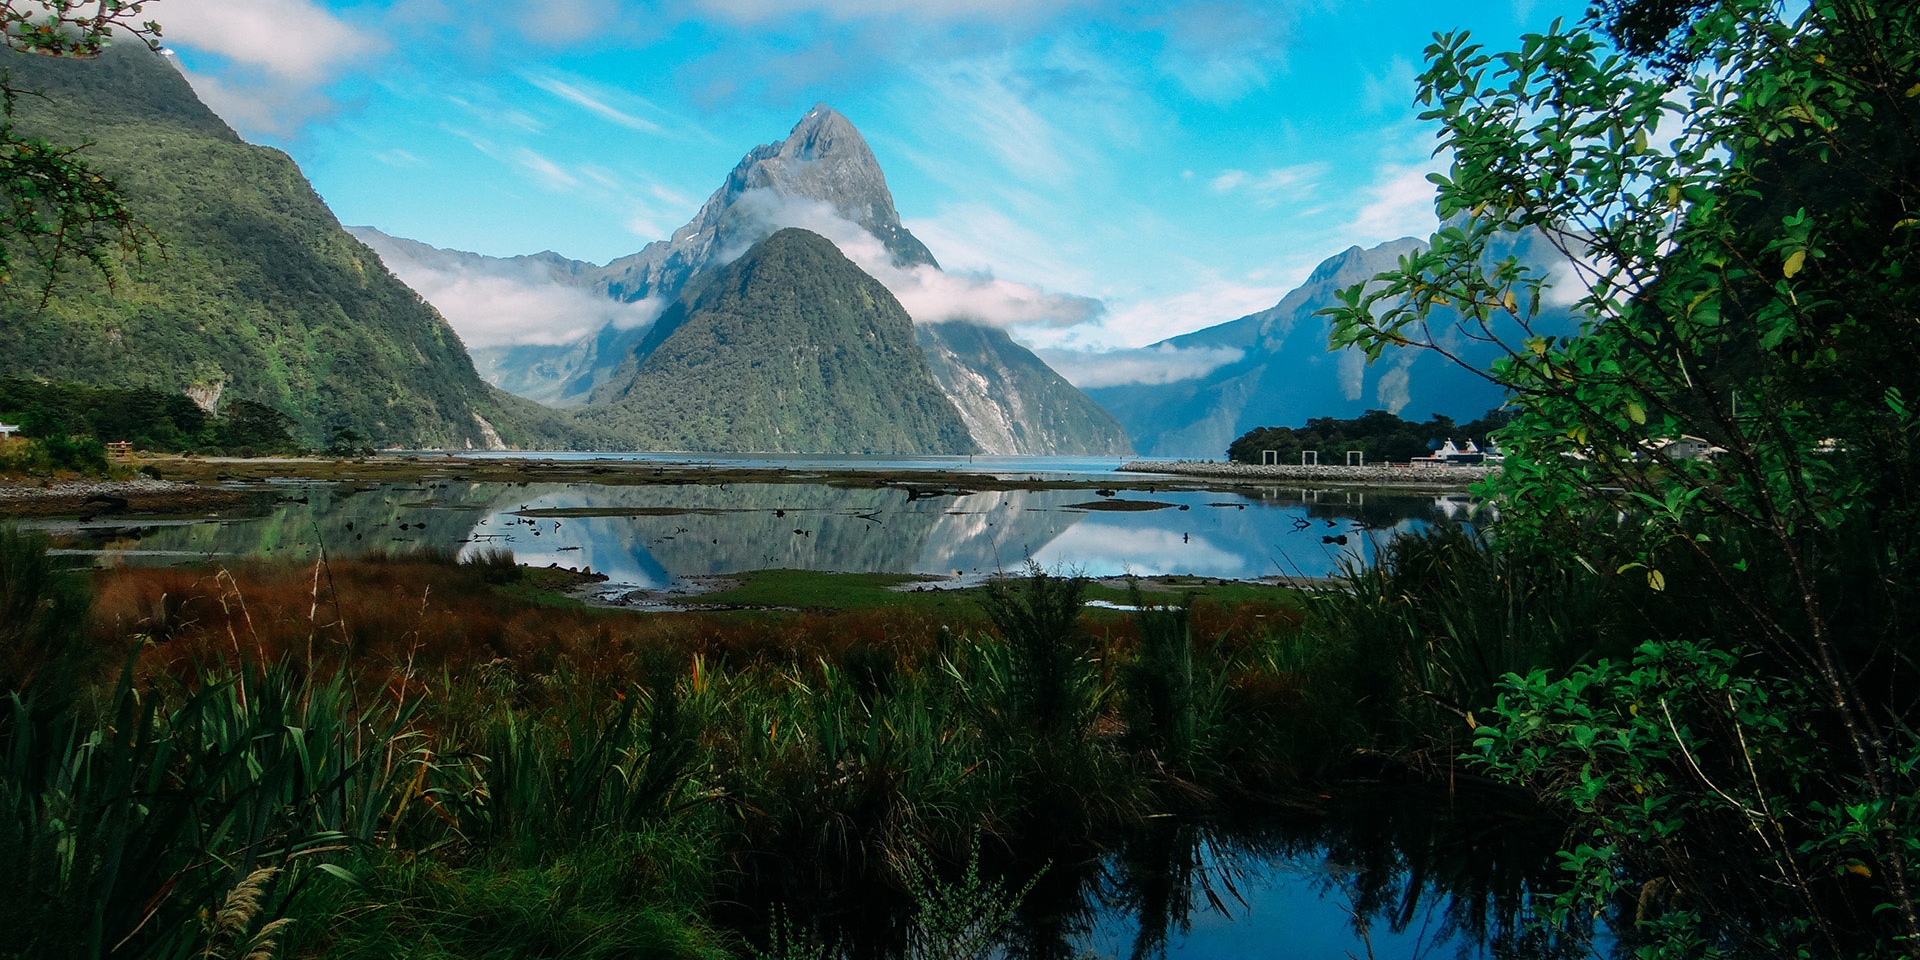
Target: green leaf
342 873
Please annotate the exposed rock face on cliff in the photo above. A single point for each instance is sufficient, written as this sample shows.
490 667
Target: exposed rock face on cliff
1012 402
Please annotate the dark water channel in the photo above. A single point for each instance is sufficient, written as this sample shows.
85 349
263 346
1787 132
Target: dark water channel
1379 870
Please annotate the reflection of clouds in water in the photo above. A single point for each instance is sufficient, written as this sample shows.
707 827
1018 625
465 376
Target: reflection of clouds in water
669 531
1108 550
605 545
1460 508
998 531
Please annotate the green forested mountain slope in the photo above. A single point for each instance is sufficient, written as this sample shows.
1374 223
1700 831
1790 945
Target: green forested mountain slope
789 349
254 286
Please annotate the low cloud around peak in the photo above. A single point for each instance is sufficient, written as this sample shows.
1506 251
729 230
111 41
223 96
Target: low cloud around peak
928 294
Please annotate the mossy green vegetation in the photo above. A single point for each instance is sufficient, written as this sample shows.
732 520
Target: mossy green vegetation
149 419
807 589
816 590
1723 454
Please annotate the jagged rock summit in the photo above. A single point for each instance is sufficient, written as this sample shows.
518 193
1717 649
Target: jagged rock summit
824 160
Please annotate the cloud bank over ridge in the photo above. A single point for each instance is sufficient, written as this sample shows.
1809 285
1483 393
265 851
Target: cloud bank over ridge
928 294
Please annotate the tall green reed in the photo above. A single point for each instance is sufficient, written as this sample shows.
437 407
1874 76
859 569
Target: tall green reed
1401 652
127 826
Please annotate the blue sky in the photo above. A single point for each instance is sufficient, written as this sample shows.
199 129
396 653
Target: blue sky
1183 162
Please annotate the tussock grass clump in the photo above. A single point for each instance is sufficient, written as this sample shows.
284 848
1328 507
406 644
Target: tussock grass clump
43 616
494 566
1401 652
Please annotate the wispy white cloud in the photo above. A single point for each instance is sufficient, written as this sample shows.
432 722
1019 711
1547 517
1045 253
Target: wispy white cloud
557 22
270 61
1297 182
761 11
297 40
1221 50
1391 89
978 94
1163 363
593 99
1399 203
496 303
1210 301
256 103
550 173
981 238
399 158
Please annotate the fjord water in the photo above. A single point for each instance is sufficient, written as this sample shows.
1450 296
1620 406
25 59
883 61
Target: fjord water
646 536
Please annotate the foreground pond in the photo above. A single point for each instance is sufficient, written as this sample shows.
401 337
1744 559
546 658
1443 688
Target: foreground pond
645 536
1384 870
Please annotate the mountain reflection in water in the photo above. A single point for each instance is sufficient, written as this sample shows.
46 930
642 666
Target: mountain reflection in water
647 535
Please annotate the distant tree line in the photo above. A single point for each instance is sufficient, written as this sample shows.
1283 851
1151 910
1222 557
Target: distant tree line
74 422
1377 433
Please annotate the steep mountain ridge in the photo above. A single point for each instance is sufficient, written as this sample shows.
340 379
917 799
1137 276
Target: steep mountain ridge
253 290
790 348
558 374
823 160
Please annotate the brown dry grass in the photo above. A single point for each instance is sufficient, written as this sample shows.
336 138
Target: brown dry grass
410 617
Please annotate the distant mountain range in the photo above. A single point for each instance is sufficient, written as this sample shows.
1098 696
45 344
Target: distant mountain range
740 332
1285 374
822 175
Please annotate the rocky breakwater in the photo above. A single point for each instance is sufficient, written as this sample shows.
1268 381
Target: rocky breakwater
1457 477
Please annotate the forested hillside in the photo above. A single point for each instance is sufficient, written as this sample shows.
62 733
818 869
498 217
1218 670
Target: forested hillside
790 348
249 285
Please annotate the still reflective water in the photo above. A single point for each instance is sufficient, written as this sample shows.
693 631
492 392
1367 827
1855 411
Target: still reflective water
645 536
1386 869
